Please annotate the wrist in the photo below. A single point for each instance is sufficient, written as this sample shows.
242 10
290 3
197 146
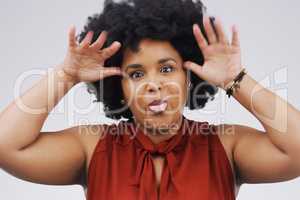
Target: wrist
63 76
234 85
231 78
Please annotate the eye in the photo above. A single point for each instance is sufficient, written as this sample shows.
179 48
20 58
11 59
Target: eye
167 68
135 74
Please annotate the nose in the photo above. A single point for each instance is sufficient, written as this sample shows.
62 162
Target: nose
153 86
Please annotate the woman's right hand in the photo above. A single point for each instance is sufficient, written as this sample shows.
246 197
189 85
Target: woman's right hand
85 61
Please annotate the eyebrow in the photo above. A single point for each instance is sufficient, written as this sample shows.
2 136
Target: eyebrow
160 61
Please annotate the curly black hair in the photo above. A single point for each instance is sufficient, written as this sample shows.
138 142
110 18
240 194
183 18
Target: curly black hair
130 21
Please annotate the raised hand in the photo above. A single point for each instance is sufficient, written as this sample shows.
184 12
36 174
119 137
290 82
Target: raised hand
222 58
85 61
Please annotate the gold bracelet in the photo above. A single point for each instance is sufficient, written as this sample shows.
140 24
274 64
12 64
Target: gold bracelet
235 84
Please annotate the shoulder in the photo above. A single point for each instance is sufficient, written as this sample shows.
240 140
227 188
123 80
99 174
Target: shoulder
227 134
89 136
227 137
251 142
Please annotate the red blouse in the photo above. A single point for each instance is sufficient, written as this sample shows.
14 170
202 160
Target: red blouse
196 165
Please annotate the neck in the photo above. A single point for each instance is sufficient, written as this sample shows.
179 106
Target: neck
158 135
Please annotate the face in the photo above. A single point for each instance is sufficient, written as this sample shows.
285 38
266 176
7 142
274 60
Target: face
155 72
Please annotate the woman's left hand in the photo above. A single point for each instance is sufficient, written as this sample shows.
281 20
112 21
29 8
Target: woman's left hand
222 60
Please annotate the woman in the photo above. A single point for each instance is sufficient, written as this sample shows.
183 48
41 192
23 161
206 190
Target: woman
144 77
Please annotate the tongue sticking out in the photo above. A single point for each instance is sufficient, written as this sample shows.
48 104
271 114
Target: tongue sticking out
158 108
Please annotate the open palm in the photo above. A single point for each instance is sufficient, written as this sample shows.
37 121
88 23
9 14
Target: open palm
85 61
222 59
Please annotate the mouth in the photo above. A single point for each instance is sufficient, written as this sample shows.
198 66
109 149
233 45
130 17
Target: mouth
158 106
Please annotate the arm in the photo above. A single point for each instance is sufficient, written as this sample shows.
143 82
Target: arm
278 146
30 111
30 155
51 157
260 156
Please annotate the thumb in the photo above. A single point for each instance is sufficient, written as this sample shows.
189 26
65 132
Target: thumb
111 71
194 67
98 73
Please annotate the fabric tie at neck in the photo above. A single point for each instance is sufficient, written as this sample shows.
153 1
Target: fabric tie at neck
145 175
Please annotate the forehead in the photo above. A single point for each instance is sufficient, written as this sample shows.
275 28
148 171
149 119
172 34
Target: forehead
151 51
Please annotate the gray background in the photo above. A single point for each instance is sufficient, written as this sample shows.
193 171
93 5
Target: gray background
34 37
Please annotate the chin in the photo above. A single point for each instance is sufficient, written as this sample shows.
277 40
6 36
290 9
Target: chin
161 120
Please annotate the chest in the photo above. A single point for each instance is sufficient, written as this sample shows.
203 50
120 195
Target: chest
123 169
158 165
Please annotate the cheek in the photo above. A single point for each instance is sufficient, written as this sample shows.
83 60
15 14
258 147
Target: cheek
131 94
177 94
135 96
127 90
128 85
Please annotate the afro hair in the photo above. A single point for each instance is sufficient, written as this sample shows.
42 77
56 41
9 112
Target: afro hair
130 21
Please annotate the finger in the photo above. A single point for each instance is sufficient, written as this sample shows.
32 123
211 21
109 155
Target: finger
98 73
235 37
194 67
110 51
201 41
71 36
211 35
111 71
220 31
98 44
87 40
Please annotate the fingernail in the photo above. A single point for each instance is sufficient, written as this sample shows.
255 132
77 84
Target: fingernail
196 28
235 28
117 43
90 33
120 73
187 64
104 32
